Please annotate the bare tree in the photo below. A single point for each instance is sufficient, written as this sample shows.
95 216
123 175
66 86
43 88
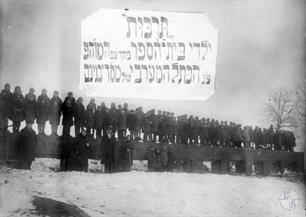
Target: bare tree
281 108
301 103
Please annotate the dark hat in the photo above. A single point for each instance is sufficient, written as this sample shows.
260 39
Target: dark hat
109 127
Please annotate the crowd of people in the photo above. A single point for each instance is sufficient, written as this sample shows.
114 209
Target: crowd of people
150 126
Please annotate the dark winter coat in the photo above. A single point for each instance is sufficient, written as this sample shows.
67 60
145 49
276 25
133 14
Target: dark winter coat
43 109
55 110
89 119
113 118
67 110
122 119
132 121
17 108
26 145
7 98
81 151
30 108
99 119
79 114
109 149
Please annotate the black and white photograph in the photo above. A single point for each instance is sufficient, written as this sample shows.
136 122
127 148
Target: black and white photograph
144 108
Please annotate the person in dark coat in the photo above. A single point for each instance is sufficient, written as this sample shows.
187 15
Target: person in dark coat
55 112
99 122
43 111
166 126
108 149
222 134
237 136
289 140
79 116
7 99
160 125
278 141
184 129
106 117
68 114
196 128
153 126
173 133
246 135
17 109
126 156
204 132
66 153
113 115
81 152
227 131
2 118
140 122
122 122
147 135
154 159
30 107
26 146
213 133
90 118
131 121
164 156
269 138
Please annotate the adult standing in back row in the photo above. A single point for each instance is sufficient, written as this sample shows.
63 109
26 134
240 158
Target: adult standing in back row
55 112
43 109
30 111
68 114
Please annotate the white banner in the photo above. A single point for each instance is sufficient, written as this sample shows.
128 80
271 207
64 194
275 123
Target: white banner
148 54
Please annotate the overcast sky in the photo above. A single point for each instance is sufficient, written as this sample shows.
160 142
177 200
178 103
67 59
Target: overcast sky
261 46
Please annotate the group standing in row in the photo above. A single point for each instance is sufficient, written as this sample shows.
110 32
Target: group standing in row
146 126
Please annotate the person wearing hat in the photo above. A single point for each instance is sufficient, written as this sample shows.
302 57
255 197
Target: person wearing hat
30 106
55 112
237 136
126 154
227 132
108 149
99 122
122 122
82 151
26 146
18 104
90 117
204 132
79 116
43 109
6 111
131 122
68 114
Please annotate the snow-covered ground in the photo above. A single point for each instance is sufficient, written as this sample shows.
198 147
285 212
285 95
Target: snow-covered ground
140 193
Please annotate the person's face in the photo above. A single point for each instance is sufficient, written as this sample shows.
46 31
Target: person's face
83 133
18 90
7 87
109 133
32 91
55 94
44 92
128 138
